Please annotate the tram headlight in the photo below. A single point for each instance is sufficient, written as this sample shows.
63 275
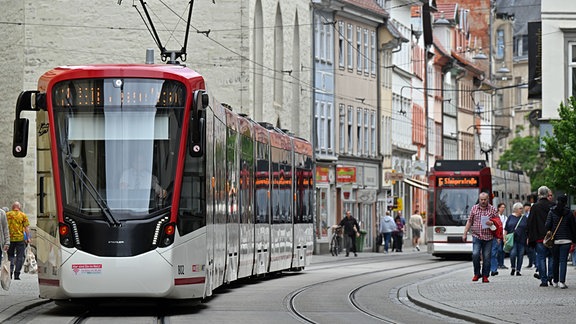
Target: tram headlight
167 237
65 235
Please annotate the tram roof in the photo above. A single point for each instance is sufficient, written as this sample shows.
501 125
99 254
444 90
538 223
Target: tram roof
459 165
155 71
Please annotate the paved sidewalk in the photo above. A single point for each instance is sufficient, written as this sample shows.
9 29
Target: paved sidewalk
506 299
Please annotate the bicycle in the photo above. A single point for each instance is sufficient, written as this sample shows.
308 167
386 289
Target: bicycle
336 240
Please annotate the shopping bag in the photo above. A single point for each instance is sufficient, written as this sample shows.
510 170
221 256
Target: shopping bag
30 264
5 271
509 242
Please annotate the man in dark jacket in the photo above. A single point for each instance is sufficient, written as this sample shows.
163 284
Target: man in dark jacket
351 227
537 231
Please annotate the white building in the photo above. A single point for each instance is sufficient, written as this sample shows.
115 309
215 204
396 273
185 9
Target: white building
558 70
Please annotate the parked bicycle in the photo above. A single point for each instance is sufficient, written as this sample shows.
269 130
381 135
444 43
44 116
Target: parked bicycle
336 240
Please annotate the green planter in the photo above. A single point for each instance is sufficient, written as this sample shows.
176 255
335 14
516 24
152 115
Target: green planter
360 241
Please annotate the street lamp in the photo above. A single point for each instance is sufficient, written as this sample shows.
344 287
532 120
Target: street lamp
480 55
503 69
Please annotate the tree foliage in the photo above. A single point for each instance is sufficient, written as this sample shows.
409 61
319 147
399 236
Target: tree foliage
561 149
523 155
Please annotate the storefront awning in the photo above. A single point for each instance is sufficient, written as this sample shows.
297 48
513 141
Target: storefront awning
416 183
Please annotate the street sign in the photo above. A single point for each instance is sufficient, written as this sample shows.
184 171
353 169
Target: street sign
393 176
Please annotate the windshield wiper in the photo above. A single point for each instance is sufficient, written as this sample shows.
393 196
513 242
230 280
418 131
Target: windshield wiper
91 190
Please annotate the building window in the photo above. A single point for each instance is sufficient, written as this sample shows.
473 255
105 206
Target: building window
366 54
521 46
329 128
329 40
349 133
342 129
572 68
366 132
359 138
321 127
322 40
324 126
350 47
373 134
341 49
499 53
359 49
373 53
317 27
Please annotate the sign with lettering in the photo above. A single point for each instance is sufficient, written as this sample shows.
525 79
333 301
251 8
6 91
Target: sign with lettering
457 181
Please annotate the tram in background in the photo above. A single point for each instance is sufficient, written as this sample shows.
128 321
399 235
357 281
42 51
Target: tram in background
212 196
454 186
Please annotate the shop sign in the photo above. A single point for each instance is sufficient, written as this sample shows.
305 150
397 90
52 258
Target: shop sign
346 174
322 175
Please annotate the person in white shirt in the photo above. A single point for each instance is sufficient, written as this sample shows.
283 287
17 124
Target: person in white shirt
416 224
503 218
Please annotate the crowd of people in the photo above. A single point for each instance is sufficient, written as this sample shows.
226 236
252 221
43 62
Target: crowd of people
14 236
523 232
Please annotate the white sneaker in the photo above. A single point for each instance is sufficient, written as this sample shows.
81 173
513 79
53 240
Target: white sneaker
417 248
555 284
562 285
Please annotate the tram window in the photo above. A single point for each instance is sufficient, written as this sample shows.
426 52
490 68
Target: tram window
121 125
192 208
262 184
453 206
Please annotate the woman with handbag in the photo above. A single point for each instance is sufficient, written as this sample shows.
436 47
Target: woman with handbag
517 224
561 222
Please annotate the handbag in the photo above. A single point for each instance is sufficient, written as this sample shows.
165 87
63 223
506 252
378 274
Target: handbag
549 238
509 244
5 271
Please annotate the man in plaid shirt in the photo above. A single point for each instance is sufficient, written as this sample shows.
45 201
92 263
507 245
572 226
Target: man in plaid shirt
479 224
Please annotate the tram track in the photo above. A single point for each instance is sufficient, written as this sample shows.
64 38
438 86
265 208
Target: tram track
356 303
49 312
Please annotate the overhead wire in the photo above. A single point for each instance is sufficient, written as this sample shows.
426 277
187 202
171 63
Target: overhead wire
173 31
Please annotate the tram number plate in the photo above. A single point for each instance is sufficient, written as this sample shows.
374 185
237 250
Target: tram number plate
455 239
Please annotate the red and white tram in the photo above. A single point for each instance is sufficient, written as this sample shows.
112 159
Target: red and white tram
149 188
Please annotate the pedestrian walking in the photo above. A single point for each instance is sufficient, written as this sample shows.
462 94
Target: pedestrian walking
19 226
530 252
351 229
517 224
500 249
417 225
4 232
398 235
536 233
561 222
387 226
479 224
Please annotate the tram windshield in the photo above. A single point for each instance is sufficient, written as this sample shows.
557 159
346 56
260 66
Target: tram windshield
453 205
118 144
